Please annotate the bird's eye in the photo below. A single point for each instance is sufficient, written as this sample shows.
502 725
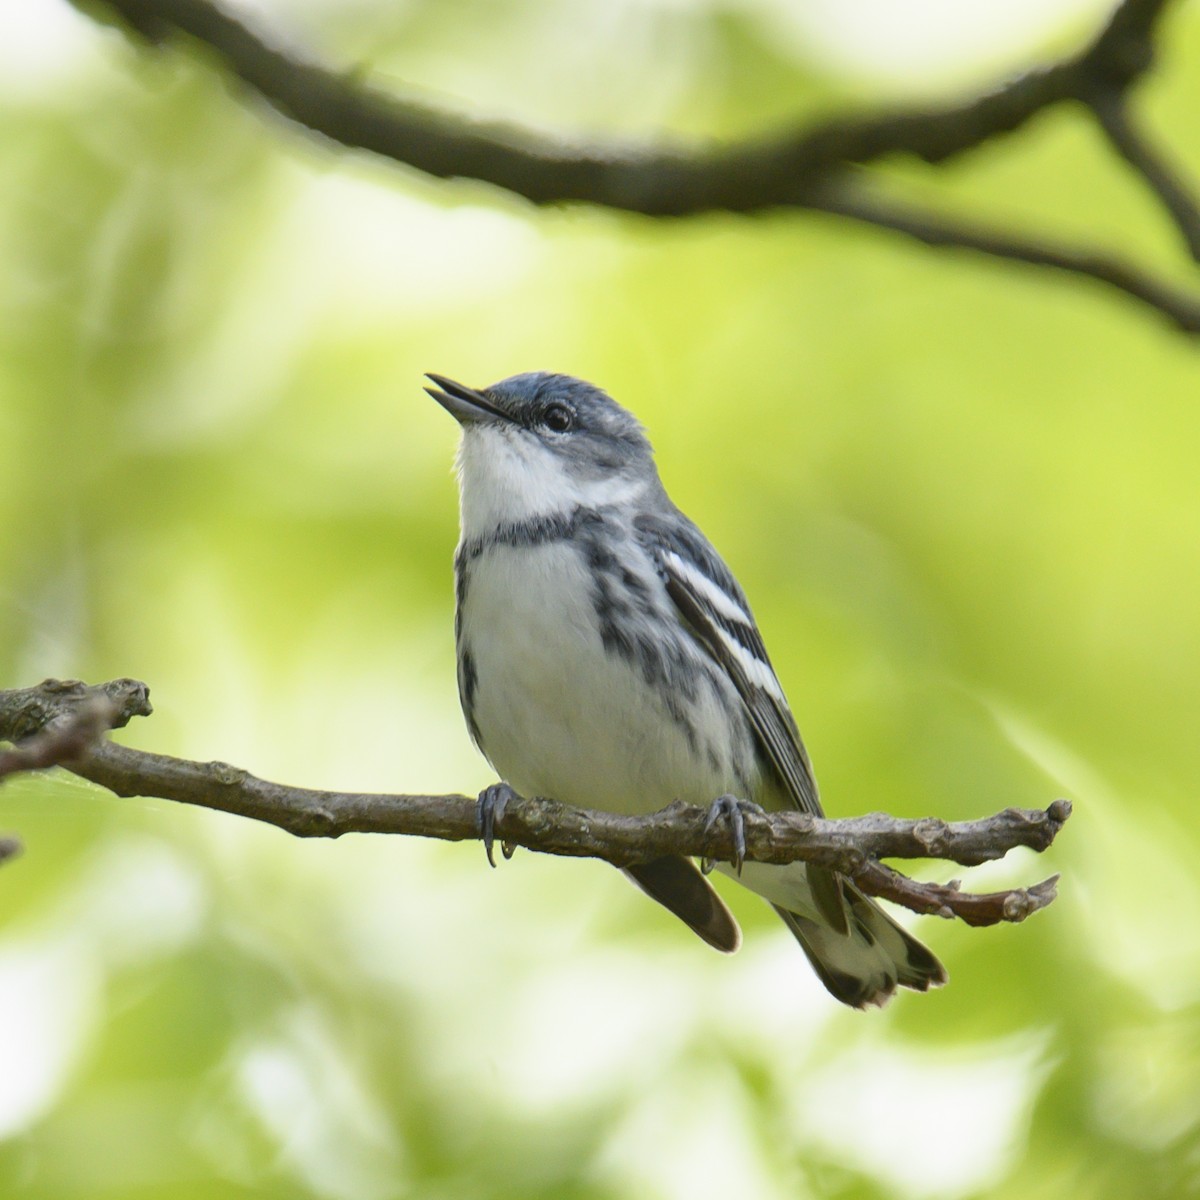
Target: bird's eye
558 418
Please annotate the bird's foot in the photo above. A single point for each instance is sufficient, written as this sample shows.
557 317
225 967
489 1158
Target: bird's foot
489 812
732 809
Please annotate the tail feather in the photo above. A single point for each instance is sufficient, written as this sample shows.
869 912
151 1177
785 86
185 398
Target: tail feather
865 965
861 959
677 884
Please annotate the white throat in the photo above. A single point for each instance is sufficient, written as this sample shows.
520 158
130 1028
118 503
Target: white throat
506 477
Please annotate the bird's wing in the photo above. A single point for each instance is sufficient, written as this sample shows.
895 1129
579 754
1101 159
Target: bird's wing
706 594
704 591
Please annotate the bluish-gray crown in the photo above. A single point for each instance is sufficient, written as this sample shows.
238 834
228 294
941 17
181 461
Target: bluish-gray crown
583 422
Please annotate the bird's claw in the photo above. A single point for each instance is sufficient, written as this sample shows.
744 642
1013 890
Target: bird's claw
489 812
732 808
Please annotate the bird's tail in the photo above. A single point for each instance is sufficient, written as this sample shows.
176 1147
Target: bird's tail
677 884
864 965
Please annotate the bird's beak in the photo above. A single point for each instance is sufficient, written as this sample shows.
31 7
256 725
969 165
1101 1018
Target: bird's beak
464 404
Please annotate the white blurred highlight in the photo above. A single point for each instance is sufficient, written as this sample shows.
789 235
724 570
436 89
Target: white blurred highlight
925 1123
44 44
136 901
330 1132
1147 864
47 1009
921 41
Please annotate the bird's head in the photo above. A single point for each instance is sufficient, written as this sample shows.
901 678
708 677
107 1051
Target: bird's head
539 444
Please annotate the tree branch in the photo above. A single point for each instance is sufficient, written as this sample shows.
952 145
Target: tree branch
1111 109
58 723
1181 308
796 167
850 845
758 173
946 900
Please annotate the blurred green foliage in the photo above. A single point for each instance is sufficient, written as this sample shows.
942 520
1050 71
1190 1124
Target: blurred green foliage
964 500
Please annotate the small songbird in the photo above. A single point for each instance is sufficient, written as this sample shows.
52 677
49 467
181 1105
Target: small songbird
607 658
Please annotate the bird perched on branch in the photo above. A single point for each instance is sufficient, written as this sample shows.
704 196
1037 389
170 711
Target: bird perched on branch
608 659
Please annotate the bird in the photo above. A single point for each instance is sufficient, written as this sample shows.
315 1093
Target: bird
608 659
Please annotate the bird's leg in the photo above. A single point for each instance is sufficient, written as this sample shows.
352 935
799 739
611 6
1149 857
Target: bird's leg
732 808
489 812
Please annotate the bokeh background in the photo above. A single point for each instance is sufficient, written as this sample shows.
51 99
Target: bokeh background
964 499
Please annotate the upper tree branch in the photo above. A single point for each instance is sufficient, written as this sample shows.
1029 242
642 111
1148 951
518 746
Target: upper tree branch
850 845
802 166
771 171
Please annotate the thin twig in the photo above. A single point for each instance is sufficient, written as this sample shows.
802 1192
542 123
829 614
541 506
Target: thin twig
64 739
26 712
1111 109
1180 307
948 900
850 845
56 723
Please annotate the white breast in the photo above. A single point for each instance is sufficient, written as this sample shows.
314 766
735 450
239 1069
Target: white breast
561 715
